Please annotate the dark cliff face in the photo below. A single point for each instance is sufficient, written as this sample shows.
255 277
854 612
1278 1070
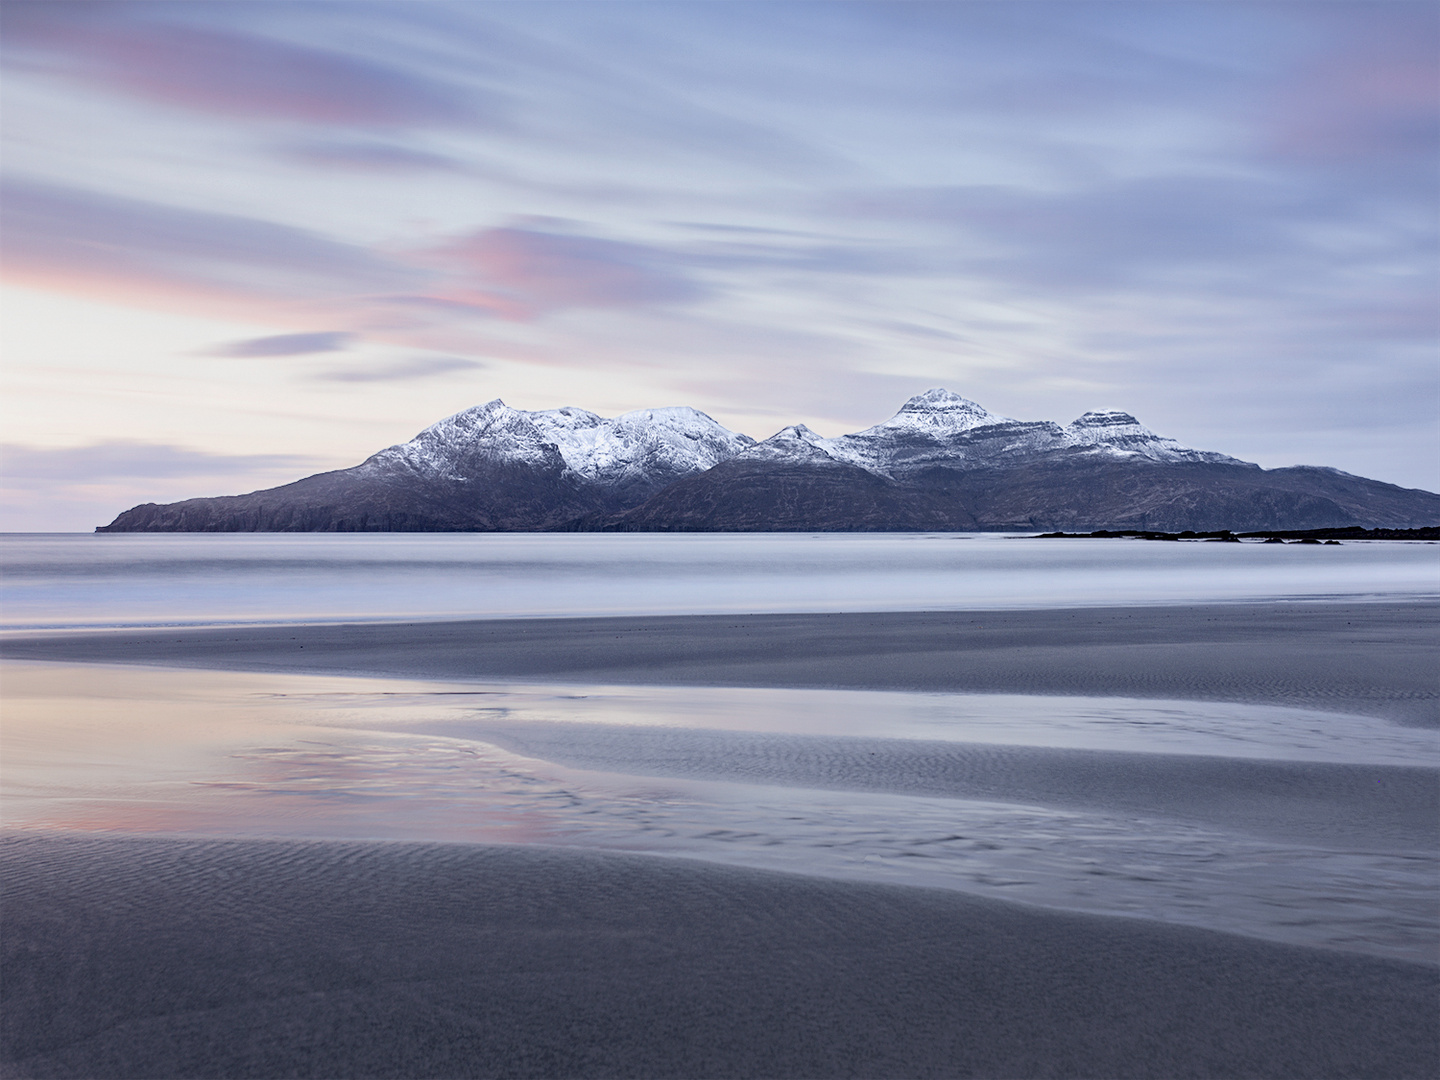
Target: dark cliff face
942 463
748 496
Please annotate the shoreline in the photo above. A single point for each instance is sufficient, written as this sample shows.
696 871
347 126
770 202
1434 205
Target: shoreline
260 958
1374 659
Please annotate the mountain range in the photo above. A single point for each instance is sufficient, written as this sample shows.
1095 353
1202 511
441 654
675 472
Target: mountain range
941 463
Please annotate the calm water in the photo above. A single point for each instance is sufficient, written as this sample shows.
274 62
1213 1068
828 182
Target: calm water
148 579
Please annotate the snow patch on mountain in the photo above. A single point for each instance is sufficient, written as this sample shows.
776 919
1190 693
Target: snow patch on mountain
936 413
941 428
645 448
794 445
1116 432
642 445
446 449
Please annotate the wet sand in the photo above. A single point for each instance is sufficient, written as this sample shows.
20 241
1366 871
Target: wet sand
164 957
1382 807
169 957
1373 659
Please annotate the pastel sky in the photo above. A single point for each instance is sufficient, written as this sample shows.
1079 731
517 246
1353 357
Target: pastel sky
244 242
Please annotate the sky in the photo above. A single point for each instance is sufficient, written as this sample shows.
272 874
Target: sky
245 242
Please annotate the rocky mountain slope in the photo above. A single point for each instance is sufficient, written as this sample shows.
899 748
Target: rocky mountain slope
942 462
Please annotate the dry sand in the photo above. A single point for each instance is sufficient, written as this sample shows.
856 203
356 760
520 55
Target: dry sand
169 957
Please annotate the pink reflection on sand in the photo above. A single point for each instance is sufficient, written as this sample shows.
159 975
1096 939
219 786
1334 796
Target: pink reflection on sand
219 753
125 749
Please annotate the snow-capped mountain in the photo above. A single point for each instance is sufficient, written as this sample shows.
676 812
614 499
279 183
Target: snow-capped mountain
1113 431
936 426
637 452
796 445
940 428
941 462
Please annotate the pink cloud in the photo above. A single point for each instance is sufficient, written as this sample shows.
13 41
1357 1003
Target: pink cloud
1376 95
151 255
522 273
225 72
134 251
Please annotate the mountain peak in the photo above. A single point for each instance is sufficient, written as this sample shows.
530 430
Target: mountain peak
1114 431
1105 418
939 407
670 413
641 450
494 405
938 395
937 413
938 399
794 444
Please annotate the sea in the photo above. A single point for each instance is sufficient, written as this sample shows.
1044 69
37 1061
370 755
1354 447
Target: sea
182 579
823 782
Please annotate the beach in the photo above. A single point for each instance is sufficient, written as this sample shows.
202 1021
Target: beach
187 958
167 955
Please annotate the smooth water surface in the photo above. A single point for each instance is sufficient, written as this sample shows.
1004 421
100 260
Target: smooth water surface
141 579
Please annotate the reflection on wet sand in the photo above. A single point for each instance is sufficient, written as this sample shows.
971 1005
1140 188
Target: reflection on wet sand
767 778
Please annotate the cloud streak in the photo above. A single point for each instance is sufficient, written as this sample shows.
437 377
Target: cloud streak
226 73
80 241
523 273
368 157
420 367
321 341
130 459
75 240
75 488
1372 100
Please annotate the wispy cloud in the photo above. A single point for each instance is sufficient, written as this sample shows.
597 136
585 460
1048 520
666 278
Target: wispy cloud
420 367
321 341
76 488
76 240
523 273
1371 100
368 157
1178 239
221 71
132 459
